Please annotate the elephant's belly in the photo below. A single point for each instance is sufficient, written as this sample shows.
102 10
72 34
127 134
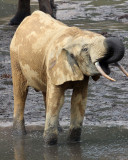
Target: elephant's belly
33 78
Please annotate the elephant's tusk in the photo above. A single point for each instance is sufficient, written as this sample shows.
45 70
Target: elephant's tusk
122 69
97 64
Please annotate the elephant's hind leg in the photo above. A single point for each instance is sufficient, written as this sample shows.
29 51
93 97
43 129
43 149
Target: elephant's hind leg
78 104
20 93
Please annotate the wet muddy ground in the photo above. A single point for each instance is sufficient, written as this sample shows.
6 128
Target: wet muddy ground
105 133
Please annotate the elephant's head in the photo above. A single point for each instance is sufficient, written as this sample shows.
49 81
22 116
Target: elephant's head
84 53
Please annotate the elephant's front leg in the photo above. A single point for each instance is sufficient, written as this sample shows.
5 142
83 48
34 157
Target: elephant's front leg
78 104
59 127
54 100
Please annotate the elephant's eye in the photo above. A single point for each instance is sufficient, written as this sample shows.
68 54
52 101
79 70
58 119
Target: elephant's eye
84 49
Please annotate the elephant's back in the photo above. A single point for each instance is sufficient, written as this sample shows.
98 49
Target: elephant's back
35 33
37 26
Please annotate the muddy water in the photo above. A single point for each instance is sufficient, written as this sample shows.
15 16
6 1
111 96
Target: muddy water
105 132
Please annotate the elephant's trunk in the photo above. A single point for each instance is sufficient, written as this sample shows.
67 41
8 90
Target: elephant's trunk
115 50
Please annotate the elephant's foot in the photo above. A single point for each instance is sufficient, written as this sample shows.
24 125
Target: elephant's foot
74 135
50 138
17 19
19 128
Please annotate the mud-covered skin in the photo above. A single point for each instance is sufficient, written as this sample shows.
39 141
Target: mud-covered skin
23 10
78 104
52 57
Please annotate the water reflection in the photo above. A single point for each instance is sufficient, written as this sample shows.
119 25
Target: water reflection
19 147
24 152
96 143
51 153
75 151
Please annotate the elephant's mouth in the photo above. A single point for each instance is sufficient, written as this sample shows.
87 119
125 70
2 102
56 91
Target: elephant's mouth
105 67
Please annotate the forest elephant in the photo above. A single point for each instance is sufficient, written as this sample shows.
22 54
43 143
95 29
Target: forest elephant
23 10
52 57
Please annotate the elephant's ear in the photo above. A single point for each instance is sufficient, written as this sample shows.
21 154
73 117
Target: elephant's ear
63 67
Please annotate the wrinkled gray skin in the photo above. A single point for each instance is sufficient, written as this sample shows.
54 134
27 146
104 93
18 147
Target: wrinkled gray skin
23 10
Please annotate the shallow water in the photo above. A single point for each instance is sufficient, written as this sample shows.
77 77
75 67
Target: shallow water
105 132
98 143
